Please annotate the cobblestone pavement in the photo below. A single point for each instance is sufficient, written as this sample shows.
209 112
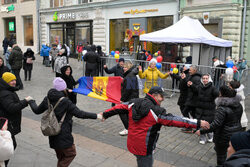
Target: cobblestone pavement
173 147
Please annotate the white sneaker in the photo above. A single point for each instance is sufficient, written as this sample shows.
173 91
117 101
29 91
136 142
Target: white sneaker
202 142
210 140
124 132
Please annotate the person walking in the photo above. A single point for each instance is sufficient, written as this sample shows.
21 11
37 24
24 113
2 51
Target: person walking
45 54
7 55
79 49
6 144
129 90
151 74
145 120
53 53
60 61
92 61
102 59
226 121
205 108
3 68
63 143
16 61
10 105
28 58
238 152
5 45
66 75
239 88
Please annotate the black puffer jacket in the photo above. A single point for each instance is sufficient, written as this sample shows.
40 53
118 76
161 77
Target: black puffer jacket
117 70
92 60
70 81
64 139
130 88
16 58
26 55
3 68
192 97
205 108
226 120
11 107
183 88
239 159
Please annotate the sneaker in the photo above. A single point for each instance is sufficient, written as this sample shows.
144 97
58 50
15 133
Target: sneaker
124 132
202 142
210 140
187 130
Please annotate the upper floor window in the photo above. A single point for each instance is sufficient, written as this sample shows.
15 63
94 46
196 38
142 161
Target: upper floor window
84 1
26 0
56 3
9 1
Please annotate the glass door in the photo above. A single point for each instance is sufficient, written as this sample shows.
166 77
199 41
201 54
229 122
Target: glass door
70 36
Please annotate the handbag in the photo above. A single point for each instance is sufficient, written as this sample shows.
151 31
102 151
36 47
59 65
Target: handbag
29 60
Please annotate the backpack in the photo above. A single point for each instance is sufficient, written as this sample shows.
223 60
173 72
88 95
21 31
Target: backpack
49 124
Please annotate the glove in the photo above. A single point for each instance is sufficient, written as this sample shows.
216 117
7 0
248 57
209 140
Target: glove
28 98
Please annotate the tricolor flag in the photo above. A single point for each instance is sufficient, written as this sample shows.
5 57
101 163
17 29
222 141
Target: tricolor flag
103 88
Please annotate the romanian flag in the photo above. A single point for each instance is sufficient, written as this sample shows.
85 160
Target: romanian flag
103 88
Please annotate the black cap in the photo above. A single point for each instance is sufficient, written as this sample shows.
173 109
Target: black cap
241 140
121 59
157 90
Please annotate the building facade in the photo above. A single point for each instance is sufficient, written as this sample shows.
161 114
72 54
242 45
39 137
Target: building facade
115 25
18 22
223 18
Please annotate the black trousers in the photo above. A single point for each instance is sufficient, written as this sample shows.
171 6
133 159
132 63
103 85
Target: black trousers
91 72
182 108
18 78
124 119
27 73
188 110
14 144
221 152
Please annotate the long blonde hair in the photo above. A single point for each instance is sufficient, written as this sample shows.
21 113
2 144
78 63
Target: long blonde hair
128 65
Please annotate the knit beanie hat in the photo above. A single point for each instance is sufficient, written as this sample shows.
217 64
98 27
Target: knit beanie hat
152 61
121 59
59 84
241 140
7 77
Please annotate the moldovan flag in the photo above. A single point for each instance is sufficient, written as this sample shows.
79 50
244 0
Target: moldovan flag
103 88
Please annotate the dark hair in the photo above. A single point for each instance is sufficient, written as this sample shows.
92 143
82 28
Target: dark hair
225 91
93 48
234 84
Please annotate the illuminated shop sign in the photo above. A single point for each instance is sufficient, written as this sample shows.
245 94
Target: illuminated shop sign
137 11
70 16
8 9
11 26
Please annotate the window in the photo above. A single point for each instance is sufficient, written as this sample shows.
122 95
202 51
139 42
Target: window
56 3
9 1
84 1
28 30
26 0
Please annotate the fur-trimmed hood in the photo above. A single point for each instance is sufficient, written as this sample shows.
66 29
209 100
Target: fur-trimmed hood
228 101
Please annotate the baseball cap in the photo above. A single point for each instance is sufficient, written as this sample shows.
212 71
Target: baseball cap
157 90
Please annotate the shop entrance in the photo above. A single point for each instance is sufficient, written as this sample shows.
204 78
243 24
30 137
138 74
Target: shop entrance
10 29
70 36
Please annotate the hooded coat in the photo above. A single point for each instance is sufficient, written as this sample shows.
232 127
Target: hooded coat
11 107
240 158
240 92
64 139
92 61
45 51
70 81
16 58
28 54
130 88
226 120
3 68
151 76
205 106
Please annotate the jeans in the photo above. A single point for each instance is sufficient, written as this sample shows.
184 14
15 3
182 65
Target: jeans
144 161
18 78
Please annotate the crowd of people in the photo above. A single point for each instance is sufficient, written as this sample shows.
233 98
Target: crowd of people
215 114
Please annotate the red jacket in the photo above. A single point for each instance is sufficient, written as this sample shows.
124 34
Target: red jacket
79 48
145 120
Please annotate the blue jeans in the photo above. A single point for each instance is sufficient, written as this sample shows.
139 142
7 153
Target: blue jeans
144 161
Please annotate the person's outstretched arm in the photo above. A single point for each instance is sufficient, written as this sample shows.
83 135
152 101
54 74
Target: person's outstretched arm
39 109
79 113
118 109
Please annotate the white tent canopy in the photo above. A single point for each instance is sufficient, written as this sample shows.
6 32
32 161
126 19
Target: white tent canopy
186 30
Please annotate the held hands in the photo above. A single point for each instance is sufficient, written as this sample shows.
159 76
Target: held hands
28 98
100 116
205 124
198 132
105 66
70 90
189 83
140 68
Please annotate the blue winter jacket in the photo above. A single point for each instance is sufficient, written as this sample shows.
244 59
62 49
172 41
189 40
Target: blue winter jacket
45 50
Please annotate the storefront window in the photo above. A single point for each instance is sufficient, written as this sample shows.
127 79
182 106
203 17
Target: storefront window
56 3
84 1
28 30
9 1
124 33
56 34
